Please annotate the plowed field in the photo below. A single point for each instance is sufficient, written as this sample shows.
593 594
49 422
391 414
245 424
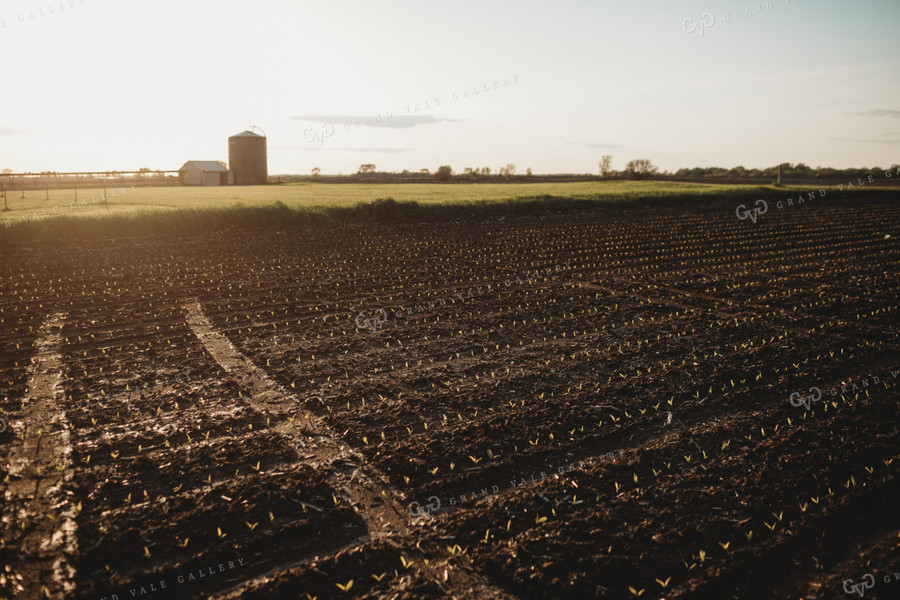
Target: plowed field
595 402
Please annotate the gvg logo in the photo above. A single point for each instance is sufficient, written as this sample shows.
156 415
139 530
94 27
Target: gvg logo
798 399
743 214
868 582
311 135
706 20
815 393
432 507
372 323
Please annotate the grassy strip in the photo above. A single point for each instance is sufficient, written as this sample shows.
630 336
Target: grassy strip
185 221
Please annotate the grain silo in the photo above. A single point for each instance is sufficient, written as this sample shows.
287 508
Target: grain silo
247 158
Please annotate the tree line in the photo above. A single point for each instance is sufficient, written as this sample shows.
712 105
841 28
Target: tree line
635 169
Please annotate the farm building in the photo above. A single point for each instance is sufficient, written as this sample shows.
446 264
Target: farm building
247 158
205 172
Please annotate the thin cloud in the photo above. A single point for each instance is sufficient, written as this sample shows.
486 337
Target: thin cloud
604 146
404 121
393 122
884 138
878 112
13 131
316 148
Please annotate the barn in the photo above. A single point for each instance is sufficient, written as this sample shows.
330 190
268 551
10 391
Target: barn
205 172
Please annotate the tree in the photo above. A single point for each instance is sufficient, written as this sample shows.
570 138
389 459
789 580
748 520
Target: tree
508 171
316 173
425 172
366 168
605 165
801 169
443 173
486 171
640 168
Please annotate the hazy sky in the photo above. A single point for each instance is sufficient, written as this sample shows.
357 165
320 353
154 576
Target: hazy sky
124 84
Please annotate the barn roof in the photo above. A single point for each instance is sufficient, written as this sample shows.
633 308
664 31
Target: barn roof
206 165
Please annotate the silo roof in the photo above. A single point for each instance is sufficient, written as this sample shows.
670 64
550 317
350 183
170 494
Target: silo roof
247 134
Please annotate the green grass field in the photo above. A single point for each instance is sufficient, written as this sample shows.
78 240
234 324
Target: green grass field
144 209
318 195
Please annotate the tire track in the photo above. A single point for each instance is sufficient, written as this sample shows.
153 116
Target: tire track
39 468
368 490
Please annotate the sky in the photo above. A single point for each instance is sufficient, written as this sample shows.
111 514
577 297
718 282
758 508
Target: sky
96 85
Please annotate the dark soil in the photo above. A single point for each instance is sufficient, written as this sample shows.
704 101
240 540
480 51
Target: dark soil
576 403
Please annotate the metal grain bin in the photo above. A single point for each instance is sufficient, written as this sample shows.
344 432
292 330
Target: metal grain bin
247 158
